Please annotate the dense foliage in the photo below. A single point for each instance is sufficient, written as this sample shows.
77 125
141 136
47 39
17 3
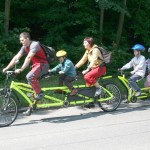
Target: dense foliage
63 24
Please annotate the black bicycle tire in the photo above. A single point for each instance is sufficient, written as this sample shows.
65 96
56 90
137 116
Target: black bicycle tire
9 122
115 85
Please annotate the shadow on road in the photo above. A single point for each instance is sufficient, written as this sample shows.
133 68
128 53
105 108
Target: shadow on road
124 108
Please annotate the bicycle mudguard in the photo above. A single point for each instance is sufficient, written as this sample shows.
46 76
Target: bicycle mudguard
76 98
87 91
83 94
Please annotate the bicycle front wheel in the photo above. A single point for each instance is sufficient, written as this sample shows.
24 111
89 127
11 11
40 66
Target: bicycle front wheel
8 110
114 103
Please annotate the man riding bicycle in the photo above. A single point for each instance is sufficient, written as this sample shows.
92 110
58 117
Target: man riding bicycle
35 54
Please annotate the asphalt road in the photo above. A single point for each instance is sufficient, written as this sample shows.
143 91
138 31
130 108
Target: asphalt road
76 128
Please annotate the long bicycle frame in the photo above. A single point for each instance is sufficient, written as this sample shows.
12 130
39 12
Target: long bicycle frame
21 88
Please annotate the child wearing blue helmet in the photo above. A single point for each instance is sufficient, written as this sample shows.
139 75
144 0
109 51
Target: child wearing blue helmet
139 67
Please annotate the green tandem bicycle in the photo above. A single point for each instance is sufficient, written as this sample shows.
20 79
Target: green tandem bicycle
10 101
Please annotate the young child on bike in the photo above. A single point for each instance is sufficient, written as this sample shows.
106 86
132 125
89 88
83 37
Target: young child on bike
139 67
147 83
66 71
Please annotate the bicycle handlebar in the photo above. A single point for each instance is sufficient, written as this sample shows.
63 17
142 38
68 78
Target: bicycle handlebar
10 73
122 72
47 75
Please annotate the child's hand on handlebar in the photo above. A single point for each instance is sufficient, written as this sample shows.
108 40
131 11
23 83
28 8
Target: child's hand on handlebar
61 72
49 71
132 72
85 71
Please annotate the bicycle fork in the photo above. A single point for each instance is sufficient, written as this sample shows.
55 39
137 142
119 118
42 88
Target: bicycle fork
6 100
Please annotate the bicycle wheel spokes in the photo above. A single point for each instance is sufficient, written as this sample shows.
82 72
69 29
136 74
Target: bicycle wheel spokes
114 103
8 111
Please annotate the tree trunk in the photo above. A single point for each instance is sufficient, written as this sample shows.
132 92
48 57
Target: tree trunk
101 24
7 16
120 26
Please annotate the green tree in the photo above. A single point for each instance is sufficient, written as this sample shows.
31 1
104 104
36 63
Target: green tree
120 25
63 24
138 26
114 6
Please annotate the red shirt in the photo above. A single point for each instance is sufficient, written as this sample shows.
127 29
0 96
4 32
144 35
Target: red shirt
39 56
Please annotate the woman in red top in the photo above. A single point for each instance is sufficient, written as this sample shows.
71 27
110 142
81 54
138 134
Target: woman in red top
95 68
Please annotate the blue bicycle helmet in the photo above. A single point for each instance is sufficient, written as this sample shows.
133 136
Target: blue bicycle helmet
138 47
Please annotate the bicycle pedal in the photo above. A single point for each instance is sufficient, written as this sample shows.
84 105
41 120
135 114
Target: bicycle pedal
89 105
125 101
34 106
97 97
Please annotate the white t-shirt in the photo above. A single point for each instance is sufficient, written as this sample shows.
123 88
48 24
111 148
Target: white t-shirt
139 65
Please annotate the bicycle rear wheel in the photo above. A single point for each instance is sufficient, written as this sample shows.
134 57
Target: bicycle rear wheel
8 110
114 103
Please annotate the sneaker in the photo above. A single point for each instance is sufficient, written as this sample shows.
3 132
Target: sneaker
39 96
125 101
138 93
74 92
28 111
98 91
89 105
